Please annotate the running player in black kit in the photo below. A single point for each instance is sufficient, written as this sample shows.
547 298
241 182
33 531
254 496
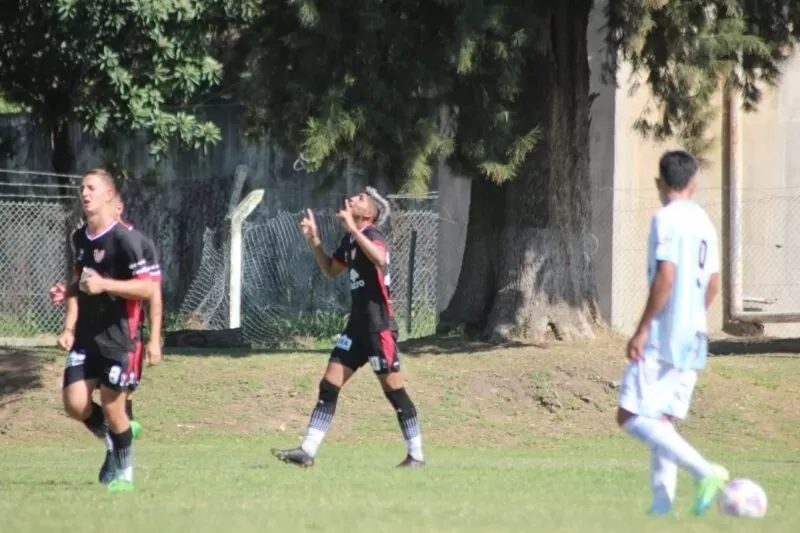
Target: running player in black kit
111 278
154 316
371 332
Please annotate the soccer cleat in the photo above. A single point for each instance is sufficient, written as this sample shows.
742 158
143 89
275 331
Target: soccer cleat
295 456
106 474
410 462
709 488
120 485
136 429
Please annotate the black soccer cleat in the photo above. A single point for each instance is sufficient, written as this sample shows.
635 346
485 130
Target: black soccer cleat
295 456
410 462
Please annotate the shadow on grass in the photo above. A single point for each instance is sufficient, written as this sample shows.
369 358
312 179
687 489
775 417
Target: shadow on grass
19 372
444 345
236 353
778 347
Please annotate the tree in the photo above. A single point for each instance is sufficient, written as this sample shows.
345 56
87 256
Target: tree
500 89
114 67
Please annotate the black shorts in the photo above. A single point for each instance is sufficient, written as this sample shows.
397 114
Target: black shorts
378 348
121 372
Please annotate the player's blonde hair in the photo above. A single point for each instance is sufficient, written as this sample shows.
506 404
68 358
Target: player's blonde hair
382 217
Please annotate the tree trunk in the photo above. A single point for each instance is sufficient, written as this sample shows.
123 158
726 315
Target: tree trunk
527 267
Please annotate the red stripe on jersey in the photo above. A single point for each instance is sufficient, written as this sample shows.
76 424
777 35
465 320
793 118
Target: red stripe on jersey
133 310
388 347
384 291
339 262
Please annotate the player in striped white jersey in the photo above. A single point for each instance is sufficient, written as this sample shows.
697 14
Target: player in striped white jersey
670 344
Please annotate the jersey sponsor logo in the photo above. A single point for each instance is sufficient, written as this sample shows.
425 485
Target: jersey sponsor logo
99 255
355 280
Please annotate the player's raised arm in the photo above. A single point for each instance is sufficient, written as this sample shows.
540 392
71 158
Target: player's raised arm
357 217
330 266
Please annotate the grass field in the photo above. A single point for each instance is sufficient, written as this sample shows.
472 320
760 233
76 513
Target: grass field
517 439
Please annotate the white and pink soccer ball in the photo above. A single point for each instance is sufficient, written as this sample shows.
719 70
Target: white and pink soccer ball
743 498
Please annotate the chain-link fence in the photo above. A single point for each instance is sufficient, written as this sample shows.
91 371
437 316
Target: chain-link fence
285 298
36 218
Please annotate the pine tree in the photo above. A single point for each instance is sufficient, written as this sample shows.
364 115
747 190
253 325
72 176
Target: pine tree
500 89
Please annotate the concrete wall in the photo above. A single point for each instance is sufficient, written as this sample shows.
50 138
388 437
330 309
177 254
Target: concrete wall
771 242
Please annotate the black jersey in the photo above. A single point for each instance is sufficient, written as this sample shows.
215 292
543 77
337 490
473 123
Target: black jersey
150 252
107 324
371 307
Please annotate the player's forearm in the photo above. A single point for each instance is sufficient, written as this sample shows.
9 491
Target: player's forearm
71 289
322 258
656 300
71 315
155 314
130 289
375 252
712 291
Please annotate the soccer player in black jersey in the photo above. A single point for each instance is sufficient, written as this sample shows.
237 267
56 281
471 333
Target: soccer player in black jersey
104 306
371 332
154 316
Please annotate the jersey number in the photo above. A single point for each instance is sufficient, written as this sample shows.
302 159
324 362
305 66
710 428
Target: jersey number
702 252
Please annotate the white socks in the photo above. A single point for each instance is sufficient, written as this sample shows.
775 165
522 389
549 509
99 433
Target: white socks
658 434
663 480
415 448
312 441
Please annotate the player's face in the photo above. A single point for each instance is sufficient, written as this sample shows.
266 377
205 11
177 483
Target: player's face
96 194
360 205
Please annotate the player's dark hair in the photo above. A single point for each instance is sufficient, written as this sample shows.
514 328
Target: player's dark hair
676 169
106 176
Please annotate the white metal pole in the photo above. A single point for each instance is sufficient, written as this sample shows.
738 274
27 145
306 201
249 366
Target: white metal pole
238 217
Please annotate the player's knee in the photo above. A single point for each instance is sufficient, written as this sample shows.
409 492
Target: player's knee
401 402
76 403
328 392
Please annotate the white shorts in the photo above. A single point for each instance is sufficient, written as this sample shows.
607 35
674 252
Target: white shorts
654 388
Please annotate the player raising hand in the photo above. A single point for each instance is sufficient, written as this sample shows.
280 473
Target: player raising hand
371 332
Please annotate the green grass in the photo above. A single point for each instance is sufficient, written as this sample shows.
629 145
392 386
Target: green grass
512 443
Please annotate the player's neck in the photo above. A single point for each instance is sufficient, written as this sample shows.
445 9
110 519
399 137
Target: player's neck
98 223
678 197
361 224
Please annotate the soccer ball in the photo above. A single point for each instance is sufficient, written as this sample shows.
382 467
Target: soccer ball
743 498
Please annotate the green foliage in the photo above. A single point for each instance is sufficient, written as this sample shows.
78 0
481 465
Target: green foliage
321 326
116 66
686 49
395 86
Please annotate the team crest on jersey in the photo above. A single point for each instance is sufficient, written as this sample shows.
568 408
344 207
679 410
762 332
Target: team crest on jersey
99 255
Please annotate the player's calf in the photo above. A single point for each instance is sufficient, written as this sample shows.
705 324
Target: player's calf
409 424
121 438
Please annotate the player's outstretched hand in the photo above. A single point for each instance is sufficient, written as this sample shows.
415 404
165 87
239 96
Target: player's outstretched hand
57 293
66 340
309 226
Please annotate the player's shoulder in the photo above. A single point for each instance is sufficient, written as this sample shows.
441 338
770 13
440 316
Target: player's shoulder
79 232
373 233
